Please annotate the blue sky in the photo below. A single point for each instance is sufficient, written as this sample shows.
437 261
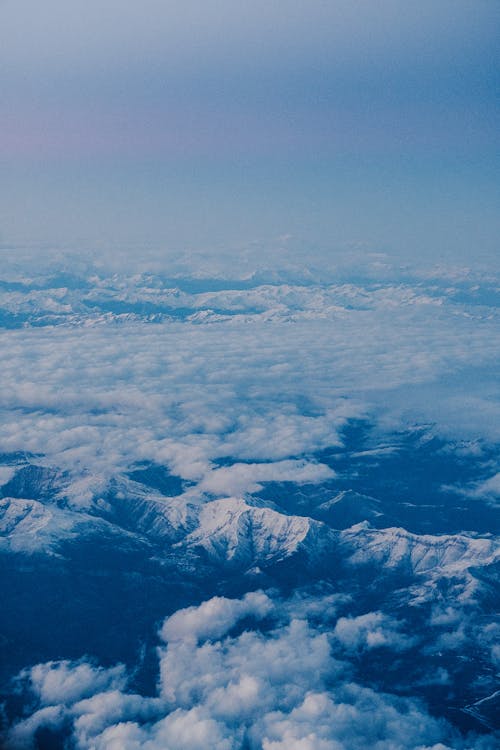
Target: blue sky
216 124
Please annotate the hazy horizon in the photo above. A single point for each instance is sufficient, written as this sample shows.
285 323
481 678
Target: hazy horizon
213 126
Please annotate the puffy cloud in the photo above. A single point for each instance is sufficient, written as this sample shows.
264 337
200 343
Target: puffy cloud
180 730
266 689
371 630
488 489
60 686
490 486
92 716
22 735
445 616
214 618
240 478
251 671
66 682
353 717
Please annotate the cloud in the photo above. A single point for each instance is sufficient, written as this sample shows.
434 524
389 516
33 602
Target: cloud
372 630
489 489
67 682
272 688
242 478
181 730
214 618
22 736
6 474
99 391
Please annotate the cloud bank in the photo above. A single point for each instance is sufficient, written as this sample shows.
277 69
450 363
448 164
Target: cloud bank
272 689
266 374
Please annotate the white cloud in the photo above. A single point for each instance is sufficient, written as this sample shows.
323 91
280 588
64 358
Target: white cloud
489 489
22 736
371 630
241 478
6 473
276 689
67 682
104 396
213 618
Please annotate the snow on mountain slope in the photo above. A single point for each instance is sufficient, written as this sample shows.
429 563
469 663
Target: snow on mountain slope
29 526
427 557
231 530
228 529
236 531
421 553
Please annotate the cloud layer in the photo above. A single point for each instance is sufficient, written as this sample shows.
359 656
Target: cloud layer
271 689
266 374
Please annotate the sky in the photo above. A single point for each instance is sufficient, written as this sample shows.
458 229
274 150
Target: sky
215 125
